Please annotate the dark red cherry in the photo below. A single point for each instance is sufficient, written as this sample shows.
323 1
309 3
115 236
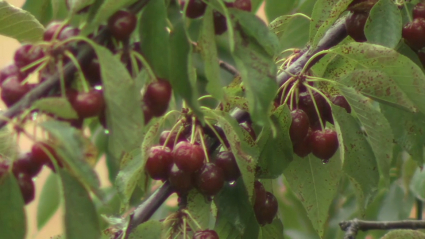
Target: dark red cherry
259 193
170 144
355 24
27 187
303 148
188 157
180 180
92 72
209 179
12 90
28 54
207 234
157 96
9 71
52 29
419 10
88 104
26 165
266 212
159 162
195 8
220 23
363 6
342 102
227 162
324 143
299 126
122 24
414 33
244 5
41 157
68 32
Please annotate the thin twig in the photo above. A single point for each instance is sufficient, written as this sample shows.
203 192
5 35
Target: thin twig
353 226
229 68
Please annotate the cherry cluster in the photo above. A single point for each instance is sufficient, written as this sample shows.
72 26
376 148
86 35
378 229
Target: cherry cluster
196 9
28 165
356 22
310 111
206 234
414 32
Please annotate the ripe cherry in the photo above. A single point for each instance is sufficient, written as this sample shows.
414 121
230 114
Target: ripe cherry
220 23
355 24
306 104
363 6
13 90
244 5
52 29
92 72
209 179
122 24
342 102
157 96
227 162
303 148
266 211
159 162
206 234
324 143
27 187
41 157
11 70
68 32
188 157
28 54
26 165
299 126
170 144
414 33
180 180
195 8
88 104
419 10
259 193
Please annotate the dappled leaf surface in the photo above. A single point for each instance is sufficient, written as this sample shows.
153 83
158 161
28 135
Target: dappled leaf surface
404 234
147 230
49 200
59 106
272 231
199 208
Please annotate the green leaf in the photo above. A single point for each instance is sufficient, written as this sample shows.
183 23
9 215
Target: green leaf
315 184
257 29
9 148
396 205
272 231
209 55
383 24
404 234
245 154
322 22
359 160
81 219
59 106
378 129
405 73
19 24
199 208
40 9
236 217
280 25
276 8
417 184
276 151
258 72
71 149
408 129
124 113
108 8
147 230
12 217
154 37
77 5
180 65
49 200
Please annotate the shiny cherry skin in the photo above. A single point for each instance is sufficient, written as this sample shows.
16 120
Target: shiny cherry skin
206 234
157 96
195 8
209 179
9 71
88 104
244 5
414 33
220 23
122 24
227 162
299 126
419 10
188 157
170 144
26 165
12 90
266 211
27 187
342 102
159 162
28 54
180 180
324 143
259 193
52 30
355 24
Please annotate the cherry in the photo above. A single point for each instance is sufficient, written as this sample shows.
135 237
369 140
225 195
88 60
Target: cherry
68 32
171 141
248 128
188 157
41 157
206 234
92 72
306 104
363 6
324 143
259 193
267 210
27 54
414 33
419 10
220 24
303 148
355 24
342 102
13 90
244 5
27 187
208 131
209 179
88 104
122 24
227 162
159 162
52 29
299 126
180 180
26 165
11 70
157 96
195 8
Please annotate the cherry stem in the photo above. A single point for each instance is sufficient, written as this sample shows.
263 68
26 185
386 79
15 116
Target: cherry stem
171 132
216 134
408 13
145 65
191 218
37 62
308 64
204 146
229 68
315 107
80 71
62 78
318 91
134 65
192 136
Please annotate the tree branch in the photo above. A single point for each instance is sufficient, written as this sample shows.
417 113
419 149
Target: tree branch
352 227
229 68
